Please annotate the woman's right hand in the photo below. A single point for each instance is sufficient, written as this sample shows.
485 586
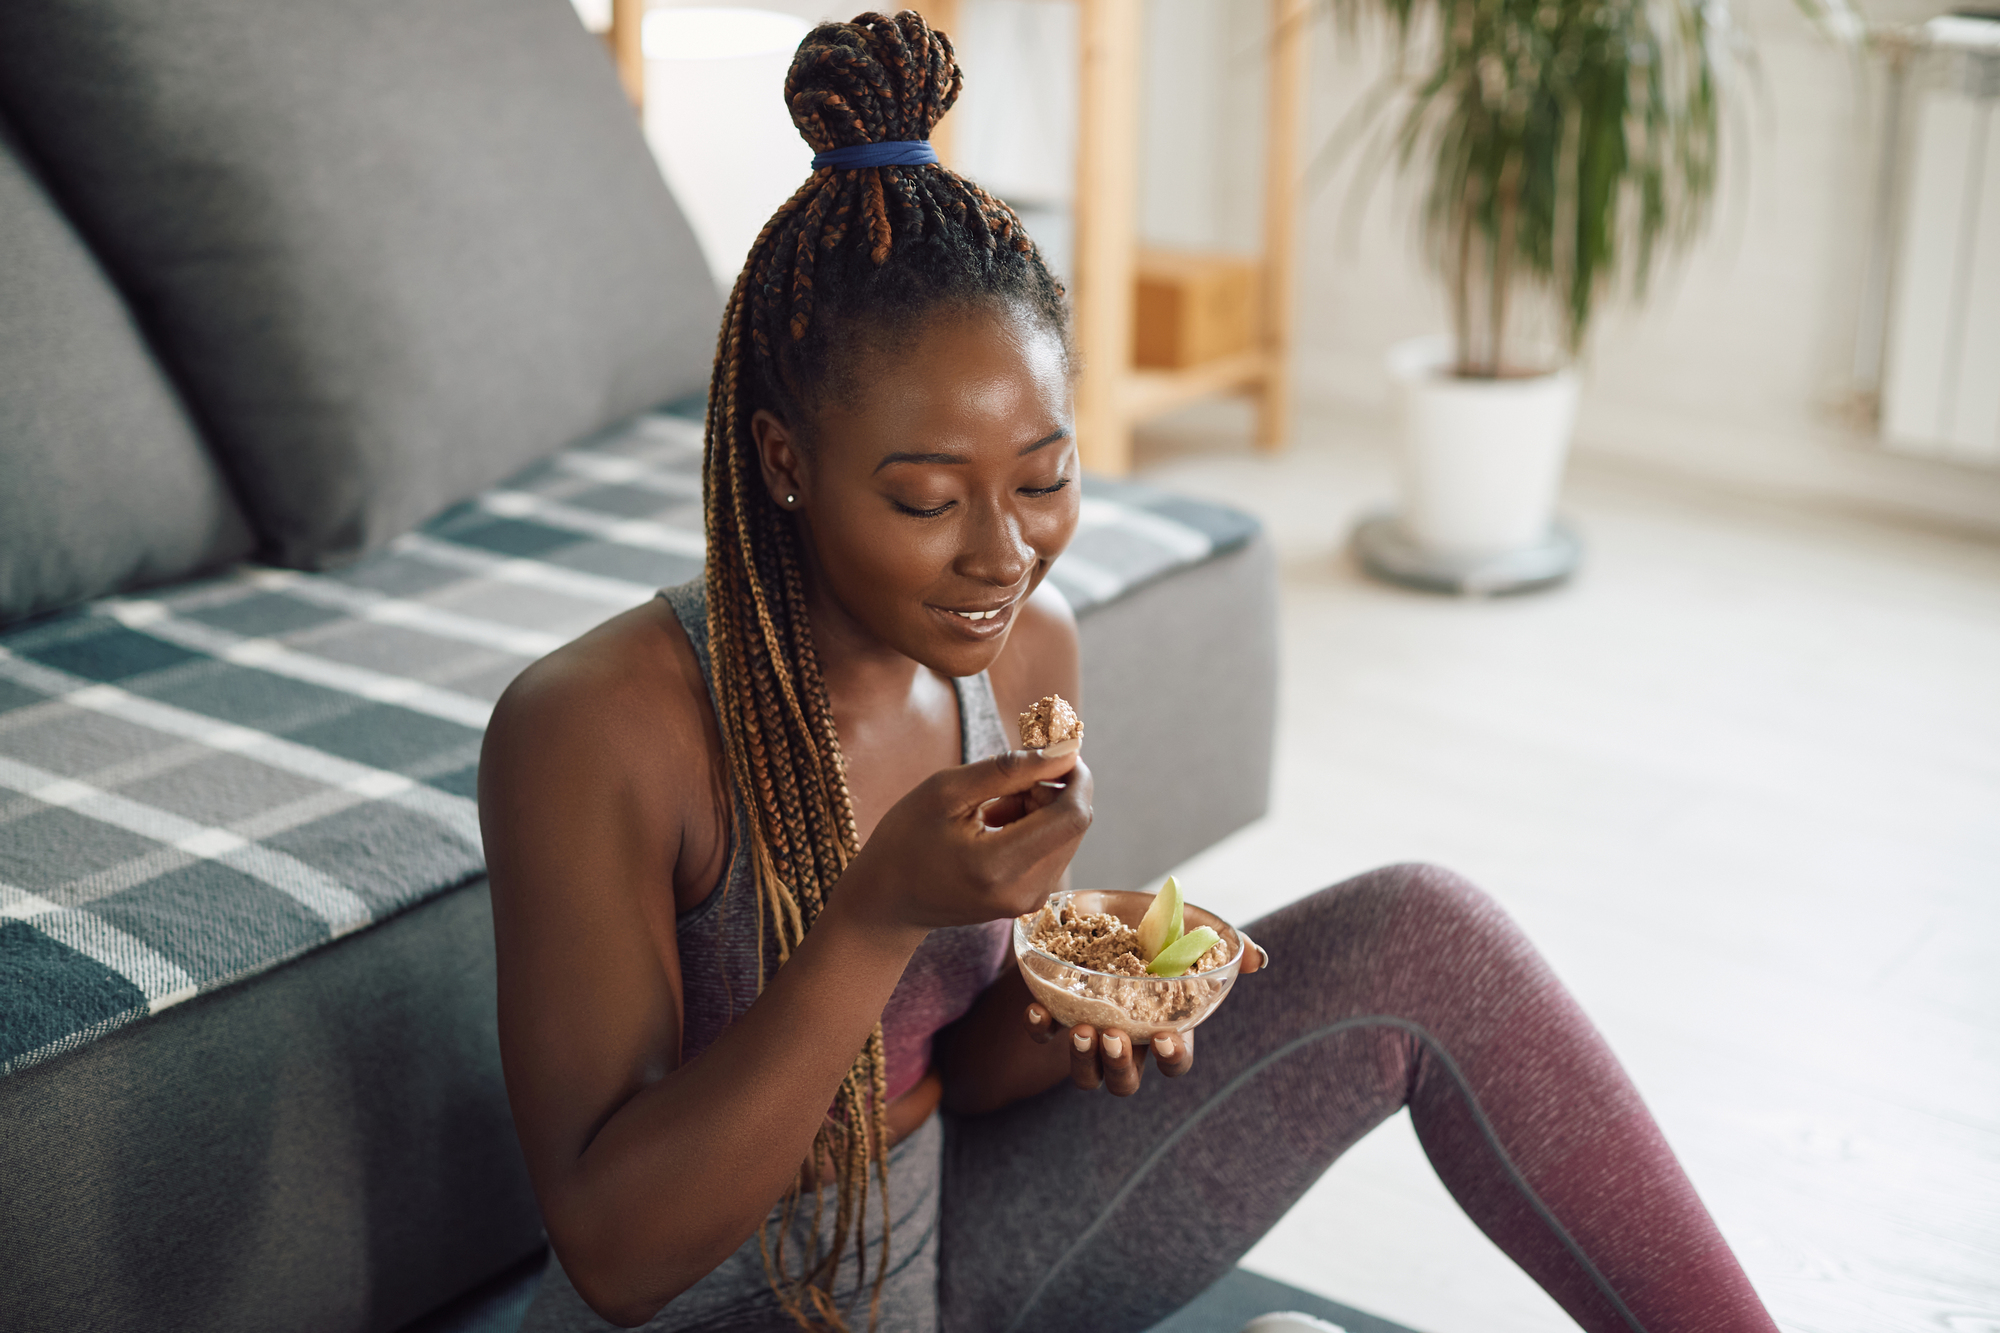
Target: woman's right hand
975 843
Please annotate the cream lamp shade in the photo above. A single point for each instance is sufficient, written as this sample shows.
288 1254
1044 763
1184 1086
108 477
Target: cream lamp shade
717 123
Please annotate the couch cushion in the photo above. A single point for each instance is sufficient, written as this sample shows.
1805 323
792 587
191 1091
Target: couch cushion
103 484
1201 645
325 1148
198 784
390 249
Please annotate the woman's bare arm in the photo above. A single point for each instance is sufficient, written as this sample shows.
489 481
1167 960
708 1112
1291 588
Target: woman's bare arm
649 1172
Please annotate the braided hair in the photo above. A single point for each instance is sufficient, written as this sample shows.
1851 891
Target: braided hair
869 252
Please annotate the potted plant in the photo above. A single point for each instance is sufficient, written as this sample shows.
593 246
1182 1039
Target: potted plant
1565 147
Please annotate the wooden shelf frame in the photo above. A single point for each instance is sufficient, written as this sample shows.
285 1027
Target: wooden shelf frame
1112 396
625 38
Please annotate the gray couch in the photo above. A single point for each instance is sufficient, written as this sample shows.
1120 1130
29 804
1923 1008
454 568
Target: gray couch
334 344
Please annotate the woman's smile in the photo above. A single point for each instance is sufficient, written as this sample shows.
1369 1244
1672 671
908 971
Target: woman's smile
977 623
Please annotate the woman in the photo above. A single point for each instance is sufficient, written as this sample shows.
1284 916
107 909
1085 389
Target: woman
754 847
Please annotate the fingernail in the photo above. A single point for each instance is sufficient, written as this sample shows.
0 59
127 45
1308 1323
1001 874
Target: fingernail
1035 1014
1062 749
1163 1047
1113 1048
1083 1041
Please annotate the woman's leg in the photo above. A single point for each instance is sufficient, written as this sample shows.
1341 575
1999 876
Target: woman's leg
1403 987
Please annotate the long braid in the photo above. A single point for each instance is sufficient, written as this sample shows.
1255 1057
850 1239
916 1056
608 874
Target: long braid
877 246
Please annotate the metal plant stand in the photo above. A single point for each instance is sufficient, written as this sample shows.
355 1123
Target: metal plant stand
1386 551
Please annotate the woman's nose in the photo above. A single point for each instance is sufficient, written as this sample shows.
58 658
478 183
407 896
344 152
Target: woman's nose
996 551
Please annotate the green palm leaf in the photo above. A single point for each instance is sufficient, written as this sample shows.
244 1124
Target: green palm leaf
1569 145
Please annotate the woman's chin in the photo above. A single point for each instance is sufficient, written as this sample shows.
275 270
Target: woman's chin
963 662
946 641
955 646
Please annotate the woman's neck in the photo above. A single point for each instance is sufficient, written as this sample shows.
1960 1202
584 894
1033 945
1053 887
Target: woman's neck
859 669
897 719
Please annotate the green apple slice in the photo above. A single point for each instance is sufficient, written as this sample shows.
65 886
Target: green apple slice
1184 952
1161 925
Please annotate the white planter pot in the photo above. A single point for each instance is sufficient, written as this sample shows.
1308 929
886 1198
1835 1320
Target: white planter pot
1481 459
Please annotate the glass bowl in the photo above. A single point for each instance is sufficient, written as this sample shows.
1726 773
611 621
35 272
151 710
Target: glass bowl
1140 1007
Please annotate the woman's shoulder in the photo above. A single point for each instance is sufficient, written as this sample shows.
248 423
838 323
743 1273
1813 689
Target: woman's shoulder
622 706
634 671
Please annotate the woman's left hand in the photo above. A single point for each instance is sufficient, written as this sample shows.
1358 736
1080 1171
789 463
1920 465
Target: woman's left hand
1108 1059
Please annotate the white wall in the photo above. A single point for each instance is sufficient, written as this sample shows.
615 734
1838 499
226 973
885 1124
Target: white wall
1201 180
1738 369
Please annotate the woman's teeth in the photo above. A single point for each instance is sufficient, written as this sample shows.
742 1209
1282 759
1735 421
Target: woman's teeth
979 615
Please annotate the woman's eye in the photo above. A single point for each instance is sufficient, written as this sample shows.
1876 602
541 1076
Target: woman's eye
915 512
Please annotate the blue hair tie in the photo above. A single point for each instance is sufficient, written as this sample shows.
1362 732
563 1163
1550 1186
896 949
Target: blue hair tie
900 153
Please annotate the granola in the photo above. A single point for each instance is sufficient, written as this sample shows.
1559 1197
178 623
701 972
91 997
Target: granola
1049 721
1103 943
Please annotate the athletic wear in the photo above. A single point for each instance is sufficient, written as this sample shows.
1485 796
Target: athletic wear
737 1298
1404 987
718 938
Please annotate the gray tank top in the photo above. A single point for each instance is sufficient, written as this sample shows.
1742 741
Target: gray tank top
718 937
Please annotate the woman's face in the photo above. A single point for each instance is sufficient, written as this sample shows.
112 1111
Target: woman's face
936 495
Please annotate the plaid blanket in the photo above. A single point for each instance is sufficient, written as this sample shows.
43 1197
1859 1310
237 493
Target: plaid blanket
201 783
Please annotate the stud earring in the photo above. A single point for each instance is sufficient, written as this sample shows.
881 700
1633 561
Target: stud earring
791 499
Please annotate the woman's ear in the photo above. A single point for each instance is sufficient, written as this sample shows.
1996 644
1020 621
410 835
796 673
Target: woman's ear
780 456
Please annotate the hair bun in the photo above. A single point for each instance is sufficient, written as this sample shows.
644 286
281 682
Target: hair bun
875 80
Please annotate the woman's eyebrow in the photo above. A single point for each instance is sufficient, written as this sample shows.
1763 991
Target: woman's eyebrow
919 458
905 457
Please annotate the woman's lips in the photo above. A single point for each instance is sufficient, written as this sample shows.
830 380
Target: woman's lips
982 624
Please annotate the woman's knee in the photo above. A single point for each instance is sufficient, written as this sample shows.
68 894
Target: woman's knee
1446 899
1412 895
1406 918
1433 887
1440 887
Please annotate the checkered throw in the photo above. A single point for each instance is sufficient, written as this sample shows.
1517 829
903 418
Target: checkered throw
200 783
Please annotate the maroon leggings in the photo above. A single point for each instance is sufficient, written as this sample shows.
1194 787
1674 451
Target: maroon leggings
1403 987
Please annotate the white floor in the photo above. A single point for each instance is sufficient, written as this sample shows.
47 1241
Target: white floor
1741 782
